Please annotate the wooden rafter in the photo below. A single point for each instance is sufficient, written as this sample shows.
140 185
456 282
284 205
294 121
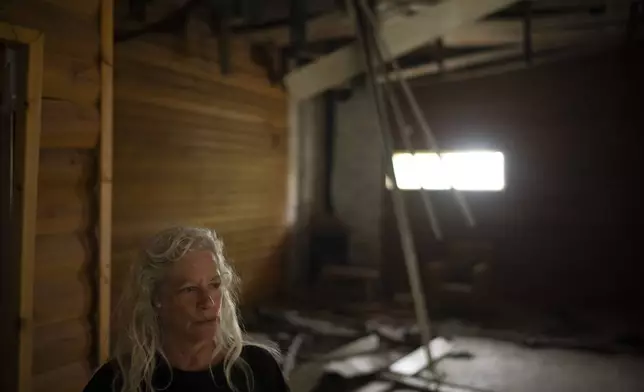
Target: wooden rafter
337 25
401 38
542 43
402 35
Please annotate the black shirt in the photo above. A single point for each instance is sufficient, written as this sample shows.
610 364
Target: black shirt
266 376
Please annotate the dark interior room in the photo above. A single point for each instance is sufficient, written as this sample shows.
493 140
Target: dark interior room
321 195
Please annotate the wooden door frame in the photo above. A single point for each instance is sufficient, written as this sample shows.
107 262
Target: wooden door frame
105 179
28 127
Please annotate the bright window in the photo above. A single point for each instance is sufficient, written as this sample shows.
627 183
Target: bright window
463 170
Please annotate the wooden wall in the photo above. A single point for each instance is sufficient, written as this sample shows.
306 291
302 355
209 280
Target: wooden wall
195 147
190 147
65 243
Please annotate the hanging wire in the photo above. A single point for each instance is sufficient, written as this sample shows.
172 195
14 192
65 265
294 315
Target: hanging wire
413 103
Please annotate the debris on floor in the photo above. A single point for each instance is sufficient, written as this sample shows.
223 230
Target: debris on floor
322 348
326 351
417 360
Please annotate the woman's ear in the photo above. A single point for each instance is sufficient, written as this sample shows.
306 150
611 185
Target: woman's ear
156 302
156 298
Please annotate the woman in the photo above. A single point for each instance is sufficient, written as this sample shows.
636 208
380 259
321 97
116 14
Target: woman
180 331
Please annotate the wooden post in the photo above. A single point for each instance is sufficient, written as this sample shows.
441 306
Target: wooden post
105 179
31 161
27 163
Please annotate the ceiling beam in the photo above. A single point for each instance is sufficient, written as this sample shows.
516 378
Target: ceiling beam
499 32
329 26
514 64
560 40
485 32
400 38
337 24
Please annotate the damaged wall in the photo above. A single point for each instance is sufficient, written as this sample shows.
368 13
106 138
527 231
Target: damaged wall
564 228
356 185
358 182
305 170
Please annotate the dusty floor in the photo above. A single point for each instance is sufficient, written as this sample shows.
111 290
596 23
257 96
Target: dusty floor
507 367
502 360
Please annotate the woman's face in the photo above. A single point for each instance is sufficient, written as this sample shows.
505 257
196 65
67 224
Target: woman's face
190 298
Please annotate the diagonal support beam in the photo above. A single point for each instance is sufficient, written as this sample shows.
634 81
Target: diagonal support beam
401 38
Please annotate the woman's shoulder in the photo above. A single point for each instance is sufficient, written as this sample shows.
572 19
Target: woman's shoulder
257 355
103 378
264 363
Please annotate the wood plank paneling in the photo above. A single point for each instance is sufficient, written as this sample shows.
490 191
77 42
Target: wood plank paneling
240 98
62 254
69 125
211 147
193 147
164 55
83 9
67 178
134 114
62 271
201 44
67 34
71 79
131 235
63 209
67 378
188 101
60 344
66 167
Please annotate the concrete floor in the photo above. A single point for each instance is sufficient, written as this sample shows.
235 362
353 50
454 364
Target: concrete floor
506 367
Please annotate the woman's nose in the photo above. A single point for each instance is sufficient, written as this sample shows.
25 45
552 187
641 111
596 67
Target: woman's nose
205 299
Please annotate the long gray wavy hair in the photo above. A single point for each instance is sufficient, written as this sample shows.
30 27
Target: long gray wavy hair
138 345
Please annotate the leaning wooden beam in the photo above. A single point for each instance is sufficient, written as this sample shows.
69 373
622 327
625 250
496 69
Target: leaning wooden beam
400 37
105 178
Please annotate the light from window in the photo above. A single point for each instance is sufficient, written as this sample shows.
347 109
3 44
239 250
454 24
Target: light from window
463 170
